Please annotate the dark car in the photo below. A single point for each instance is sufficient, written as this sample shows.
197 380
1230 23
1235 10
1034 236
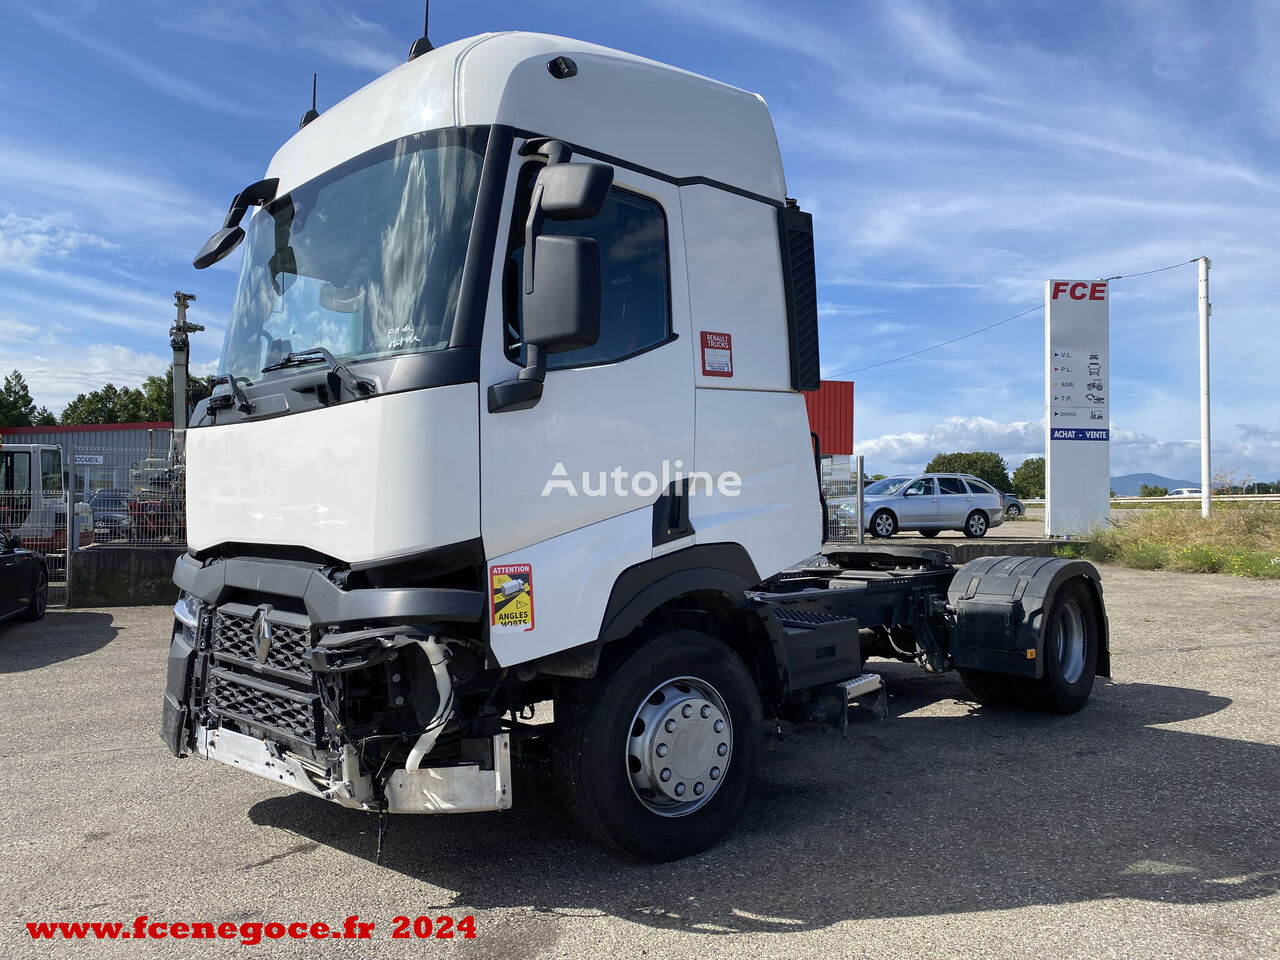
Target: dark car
1013 507
110 514
24 581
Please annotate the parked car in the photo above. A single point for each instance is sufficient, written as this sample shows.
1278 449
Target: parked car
24 580
929 503
110 514
1013 507
1184 492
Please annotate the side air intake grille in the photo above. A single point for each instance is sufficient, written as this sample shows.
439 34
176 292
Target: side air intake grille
800 278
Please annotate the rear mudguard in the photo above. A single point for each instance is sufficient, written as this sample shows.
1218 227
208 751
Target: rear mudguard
1000 605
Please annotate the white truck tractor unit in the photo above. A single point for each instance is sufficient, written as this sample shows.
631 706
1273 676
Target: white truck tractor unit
511 412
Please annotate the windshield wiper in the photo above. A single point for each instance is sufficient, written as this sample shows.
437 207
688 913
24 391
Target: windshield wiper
236 398
361 386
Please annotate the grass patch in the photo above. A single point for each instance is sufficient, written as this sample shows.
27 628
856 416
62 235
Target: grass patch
1240 539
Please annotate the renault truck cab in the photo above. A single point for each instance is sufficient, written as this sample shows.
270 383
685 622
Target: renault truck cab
510 410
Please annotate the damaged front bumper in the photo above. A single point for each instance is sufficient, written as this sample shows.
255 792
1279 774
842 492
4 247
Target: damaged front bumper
458 788
275 668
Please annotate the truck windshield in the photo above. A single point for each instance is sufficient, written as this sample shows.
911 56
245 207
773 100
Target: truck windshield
365 260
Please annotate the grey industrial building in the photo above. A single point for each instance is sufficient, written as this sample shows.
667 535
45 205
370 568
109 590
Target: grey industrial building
100 454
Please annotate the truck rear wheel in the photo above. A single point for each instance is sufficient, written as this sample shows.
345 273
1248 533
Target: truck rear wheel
1072 634
657 758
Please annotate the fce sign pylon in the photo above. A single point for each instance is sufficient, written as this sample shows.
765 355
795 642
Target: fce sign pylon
1077 417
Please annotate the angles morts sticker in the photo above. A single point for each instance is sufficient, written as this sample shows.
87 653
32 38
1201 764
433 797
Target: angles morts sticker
511 597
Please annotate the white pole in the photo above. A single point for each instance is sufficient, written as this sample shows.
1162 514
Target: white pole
860 500
1206 309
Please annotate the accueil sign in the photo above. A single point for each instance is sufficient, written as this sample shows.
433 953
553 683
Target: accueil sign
1077 419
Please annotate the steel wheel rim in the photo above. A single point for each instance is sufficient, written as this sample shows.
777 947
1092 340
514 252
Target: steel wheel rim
1071 641
884 525
977 524
679 746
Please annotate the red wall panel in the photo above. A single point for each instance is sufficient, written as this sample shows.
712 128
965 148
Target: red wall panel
831 415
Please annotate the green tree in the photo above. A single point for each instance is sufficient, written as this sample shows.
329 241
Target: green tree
1028 479
109 404
17 409
44 418
158 395
1151 490
151 403
984 464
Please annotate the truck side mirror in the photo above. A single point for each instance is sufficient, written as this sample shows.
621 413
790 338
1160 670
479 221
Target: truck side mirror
573 191
563 311
560 289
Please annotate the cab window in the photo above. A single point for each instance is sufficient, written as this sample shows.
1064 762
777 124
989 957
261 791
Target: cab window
635 312
15 486
51 471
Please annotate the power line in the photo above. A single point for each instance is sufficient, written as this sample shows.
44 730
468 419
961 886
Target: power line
992 326
963 336
1147 273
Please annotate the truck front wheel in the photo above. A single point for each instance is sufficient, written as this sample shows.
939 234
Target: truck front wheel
657 757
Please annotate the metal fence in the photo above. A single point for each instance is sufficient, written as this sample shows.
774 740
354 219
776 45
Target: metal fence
841 491
142 504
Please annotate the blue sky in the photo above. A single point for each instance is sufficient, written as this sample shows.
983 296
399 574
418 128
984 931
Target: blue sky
954 156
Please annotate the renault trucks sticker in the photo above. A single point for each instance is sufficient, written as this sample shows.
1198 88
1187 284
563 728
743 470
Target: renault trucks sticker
717 354
511 592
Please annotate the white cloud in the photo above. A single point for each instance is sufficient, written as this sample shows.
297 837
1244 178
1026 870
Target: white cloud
49 181
58 374
1014 441
24 240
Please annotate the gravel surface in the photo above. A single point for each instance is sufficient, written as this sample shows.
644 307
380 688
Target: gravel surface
1144 826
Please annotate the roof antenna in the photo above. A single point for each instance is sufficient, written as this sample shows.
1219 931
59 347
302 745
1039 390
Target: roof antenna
423 43
313 112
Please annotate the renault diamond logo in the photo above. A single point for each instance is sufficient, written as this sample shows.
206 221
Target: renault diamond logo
262 634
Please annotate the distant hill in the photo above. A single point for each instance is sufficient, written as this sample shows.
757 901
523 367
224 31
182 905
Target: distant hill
1131 483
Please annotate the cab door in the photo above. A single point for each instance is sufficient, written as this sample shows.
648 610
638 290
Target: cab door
569 486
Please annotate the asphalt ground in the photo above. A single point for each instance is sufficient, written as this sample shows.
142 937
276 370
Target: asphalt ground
1148 825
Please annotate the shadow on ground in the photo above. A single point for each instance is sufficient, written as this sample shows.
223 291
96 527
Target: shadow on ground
59 636
919 815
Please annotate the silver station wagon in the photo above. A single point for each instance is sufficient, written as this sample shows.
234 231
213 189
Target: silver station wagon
929 503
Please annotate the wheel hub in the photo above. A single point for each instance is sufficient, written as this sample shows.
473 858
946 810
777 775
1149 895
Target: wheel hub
679 747
1071 641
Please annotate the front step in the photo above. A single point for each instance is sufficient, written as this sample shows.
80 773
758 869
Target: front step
821 644
830 703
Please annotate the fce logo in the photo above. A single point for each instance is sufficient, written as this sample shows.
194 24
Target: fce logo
1080 291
